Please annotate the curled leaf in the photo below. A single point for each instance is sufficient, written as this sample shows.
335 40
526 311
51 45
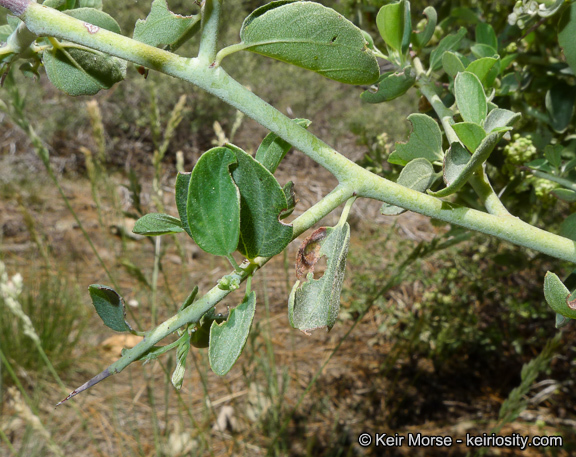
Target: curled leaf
315 303
390 86
558 296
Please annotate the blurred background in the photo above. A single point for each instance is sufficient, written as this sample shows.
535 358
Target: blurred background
435 326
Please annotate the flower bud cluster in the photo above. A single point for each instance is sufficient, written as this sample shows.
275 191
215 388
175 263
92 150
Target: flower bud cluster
525 10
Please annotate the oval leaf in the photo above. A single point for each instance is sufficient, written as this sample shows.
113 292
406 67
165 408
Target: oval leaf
566 34
155 224
213 205
560 101
311 36
499 119
452 63
227 340
557 296
418 175
110 307
481 68
470 134
315 303
425 140
470 98
262 201
79 72
392 25
485 35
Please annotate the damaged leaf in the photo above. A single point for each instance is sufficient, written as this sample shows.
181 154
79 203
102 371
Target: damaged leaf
314 303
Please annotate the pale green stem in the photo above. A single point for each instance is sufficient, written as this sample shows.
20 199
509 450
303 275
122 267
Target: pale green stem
481 185
209 35
155 271
228 50
46 21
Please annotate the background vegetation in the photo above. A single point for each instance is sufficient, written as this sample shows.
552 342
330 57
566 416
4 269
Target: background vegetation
436 351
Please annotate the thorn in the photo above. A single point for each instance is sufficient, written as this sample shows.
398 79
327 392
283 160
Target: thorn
95 380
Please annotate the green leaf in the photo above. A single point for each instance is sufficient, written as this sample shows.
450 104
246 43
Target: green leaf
262 201
201 333
566 195
390 86
422 37
228 339
560 101
181 194
470 98
566 34
482 50
164 28
481 68
455 162
291 32
557 296
390 23
553 154
89 71
499 119
110 307
452 64
418 175
273 148
470 134
480 156
89 4
448 43
425 140
315 303
5 31
568 227
485 35
213 205
155 224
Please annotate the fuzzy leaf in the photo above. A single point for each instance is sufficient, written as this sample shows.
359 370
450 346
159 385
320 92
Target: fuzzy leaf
262 201
418 175
315 303
455 162
311 36
478 158
481 68
213 205
201 334
391 85
448 43
164 28
470 98
155 224
110 307
452 63
421 38
425 140
89 72
557 296
566 34
273 148
499 118
227 340
566 195
470 134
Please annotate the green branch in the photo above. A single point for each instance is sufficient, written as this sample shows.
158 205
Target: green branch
210 26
